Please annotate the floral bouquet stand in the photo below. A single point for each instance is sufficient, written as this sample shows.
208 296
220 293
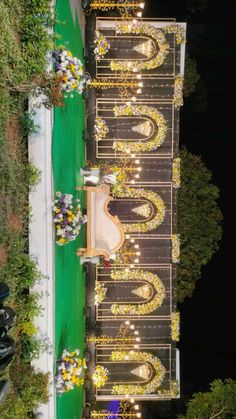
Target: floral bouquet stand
70 369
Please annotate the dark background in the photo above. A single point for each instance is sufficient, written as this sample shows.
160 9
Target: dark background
208 118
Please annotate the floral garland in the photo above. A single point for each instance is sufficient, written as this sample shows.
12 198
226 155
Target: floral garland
175 248
71 71
67 218
139 110
69 371
177 30
100 293
178 91
155 199
133 389
170 393
101 129
139 309
100 376
175 326
102 45
176 172
140 28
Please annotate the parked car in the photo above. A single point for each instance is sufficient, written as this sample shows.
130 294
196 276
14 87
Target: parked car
7 360
4 388
7 317
4 292
7 347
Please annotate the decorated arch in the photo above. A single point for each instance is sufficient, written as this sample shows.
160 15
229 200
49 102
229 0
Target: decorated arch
155 126
153 301
155 200
147 361
155 54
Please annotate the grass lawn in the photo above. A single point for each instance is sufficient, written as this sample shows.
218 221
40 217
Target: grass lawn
68 156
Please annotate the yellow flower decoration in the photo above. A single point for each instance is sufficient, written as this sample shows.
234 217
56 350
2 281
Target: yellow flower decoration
155 199
129 147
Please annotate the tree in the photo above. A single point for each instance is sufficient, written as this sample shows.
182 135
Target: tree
191 76
219 402
200 222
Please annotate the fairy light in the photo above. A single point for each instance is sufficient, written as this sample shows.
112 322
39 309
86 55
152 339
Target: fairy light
139 91
137 161
139 169
136 406
139 14
141 5
136 246
132 182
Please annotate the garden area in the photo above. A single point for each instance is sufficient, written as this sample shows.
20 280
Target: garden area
26 41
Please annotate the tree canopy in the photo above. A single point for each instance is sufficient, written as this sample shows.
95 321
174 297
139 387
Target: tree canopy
191 76
200 221
219 402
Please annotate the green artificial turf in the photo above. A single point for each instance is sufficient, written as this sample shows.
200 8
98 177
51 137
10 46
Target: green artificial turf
68 156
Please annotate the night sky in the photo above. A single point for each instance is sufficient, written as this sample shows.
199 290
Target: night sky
208 329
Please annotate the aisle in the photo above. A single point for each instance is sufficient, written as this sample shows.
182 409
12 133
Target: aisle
68 156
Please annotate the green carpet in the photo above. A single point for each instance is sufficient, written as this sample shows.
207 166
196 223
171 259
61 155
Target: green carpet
68 156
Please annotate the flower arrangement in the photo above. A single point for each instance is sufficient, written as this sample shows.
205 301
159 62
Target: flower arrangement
100 293
71 71
67 218
171 393
175 326
144 308
141 146
159 39
101 129
175 248
100 376
176 172
151 196
144 357
178 91
177 30
102 45
70 370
